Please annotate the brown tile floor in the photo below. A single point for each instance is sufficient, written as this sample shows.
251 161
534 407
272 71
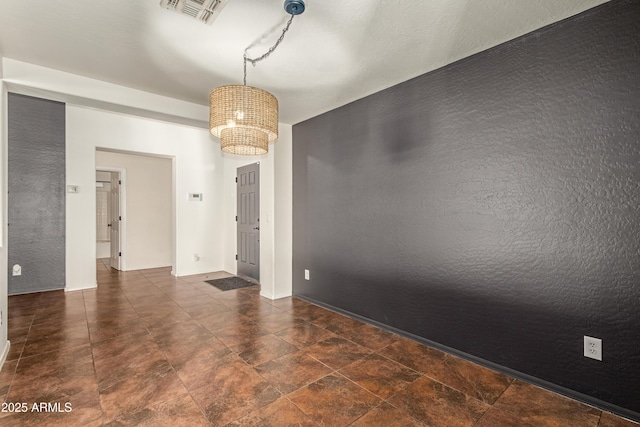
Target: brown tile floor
148 349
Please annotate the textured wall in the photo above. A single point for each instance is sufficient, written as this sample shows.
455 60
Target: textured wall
36 201
491 206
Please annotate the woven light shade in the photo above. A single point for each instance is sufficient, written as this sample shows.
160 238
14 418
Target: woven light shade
245 119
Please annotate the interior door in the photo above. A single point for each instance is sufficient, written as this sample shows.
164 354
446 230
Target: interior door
248 184
114 260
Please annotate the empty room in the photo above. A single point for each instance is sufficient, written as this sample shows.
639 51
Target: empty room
320 213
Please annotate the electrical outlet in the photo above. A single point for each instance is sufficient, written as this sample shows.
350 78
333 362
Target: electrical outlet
593 348
16 270
306 275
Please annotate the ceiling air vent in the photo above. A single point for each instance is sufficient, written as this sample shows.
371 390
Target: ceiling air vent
203 10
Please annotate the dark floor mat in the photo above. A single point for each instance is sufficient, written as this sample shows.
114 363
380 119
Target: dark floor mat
229 283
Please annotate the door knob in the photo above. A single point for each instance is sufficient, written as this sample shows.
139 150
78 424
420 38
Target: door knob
256 228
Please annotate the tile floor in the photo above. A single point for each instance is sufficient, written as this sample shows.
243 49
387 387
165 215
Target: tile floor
147 349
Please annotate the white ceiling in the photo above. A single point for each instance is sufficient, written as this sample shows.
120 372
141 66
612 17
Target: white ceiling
336 52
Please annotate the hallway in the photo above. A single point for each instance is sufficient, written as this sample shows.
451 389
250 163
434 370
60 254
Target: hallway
146 348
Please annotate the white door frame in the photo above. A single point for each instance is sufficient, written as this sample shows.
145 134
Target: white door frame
123 205
123 211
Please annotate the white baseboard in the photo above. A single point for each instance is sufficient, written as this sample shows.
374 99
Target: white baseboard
81 288
276 296
204 269
5 353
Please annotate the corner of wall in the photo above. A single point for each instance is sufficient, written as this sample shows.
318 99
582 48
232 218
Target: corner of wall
4 343
283 213
5 352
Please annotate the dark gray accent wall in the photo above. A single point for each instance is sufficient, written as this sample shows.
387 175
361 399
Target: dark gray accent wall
36 200
491 206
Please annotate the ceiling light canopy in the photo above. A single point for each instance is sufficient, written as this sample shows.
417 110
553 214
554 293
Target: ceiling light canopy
245 118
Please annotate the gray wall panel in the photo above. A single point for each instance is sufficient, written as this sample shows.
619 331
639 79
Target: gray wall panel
491 206
36 200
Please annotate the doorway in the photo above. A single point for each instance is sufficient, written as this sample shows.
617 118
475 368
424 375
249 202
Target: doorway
248 225
144 214
109 217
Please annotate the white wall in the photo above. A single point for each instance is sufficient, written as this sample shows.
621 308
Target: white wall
206 228
283 213
103 250
4 343
198 169
148 205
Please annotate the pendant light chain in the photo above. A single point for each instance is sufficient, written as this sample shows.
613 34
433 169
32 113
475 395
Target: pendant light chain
269 52
245 118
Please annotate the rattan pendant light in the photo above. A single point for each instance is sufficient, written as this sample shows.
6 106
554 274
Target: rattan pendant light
245 118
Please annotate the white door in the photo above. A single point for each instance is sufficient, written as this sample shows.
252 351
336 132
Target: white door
115 221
